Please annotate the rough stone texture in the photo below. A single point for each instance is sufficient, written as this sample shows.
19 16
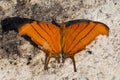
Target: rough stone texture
19 60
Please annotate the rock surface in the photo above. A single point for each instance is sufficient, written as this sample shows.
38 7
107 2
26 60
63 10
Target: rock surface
19 60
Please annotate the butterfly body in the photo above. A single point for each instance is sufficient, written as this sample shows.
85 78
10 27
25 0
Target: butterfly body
63 40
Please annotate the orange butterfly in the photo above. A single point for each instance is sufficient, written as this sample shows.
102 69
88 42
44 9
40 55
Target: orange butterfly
63 40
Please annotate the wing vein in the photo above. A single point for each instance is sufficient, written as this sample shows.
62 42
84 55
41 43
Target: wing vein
49 28
82 38
70 35
79 33
52 38
41 36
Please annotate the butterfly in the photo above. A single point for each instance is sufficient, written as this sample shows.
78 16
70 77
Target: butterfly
64 40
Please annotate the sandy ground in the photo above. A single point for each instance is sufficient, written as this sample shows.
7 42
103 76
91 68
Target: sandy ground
19 60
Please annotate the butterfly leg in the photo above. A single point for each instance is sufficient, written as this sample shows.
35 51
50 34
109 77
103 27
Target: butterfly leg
47 59
58 59
64 56
63 60
74 64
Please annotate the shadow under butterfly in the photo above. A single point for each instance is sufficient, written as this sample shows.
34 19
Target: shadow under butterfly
67 39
